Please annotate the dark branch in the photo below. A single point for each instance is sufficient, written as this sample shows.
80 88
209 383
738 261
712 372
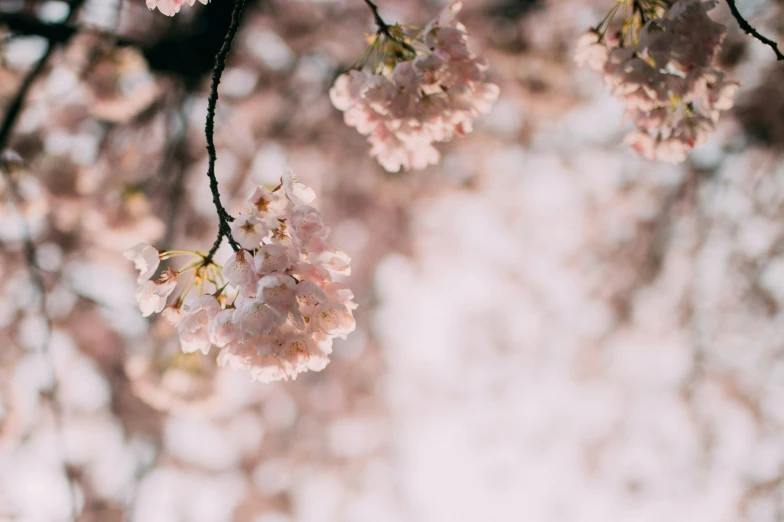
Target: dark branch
383 27
748 29
185 51
15 107
224 230
162 56
21 24
215 246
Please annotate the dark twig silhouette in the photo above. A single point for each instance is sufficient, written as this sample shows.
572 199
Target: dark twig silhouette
224 230
383 27
748 29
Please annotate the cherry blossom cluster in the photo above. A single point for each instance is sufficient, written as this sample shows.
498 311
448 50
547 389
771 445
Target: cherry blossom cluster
274 308
171 7
673 94
422 90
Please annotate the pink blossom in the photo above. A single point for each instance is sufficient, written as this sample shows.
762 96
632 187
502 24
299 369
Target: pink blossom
378 94
426 98
222 328
277 291
590 51
268 206
272 258
239 270
173 314
447 17
253 317
340 293
347 89
145 258
428 68
334 319
280 310
448 42
294 353
306 222
171 7
312 272
298 193
324 254
309 296
248 231
642 143
672 94
152 295
194 326
252 357
721 95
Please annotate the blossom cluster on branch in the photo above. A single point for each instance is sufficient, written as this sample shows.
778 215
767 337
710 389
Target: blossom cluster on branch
273 308
422 89
661 66
171 7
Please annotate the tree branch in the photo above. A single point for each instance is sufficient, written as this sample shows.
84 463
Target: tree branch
15 107
224 230
185 51
21 24
383 27
748 29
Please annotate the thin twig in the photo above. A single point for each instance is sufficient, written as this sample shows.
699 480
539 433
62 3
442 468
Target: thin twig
224 230
748 29
15 107
383 27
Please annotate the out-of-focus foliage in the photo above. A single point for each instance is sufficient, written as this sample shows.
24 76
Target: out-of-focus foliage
549 329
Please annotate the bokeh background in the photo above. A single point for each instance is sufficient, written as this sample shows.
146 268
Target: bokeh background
550 328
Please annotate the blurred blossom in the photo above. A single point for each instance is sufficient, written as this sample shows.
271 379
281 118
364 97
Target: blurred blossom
270 49
239 82
269 163
53 11
23 52
550 327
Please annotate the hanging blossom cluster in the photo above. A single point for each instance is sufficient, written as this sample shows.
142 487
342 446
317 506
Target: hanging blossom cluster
171 7
418 90
273 308
660 66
